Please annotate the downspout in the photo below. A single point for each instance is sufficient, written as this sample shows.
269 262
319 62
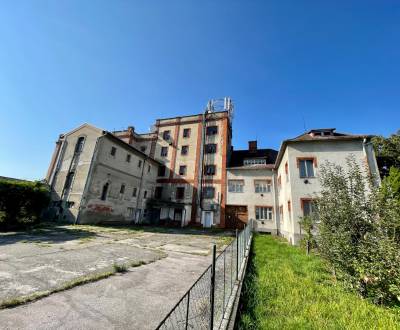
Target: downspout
88 180
140 189
276 206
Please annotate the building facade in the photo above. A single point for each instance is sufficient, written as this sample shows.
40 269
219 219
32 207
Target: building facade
186 172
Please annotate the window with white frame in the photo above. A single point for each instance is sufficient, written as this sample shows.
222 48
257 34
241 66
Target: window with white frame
262 186
255 161
235 186
263 213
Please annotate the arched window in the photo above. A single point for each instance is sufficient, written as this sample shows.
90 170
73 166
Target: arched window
79 144
104 192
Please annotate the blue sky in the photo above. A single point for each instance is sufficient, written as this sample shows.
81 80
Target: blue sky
120 63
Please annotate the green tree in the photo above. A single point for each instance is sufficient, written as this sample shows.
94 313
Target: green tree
358 232
387 152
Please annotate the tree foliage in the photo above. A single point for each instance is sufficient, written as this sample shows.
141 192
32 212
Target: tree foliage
358 230
387 152
21 203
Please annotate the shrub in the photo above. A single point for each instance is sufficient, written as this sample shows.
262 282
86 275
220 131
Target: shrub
21 203
359 230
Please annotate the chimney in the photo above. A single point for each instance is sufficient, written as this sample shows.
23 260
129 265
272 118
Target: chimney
252 146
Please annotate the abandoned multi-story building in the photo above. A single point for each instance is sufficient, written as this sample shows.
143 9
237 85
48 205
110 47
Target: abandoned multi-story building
185 172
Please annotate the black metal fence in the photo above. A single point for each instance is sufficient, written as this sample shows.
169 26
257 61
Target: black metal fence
205 304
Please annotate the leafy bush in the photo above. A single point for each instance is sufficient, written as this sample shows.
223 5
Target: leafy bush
21 203
359 230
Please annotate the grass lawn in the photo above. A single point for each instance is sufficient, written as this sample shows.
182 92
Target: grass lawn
286 289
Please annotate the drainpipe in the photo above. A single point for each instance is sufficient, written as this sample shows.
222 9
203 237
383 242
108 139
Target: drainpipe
201 165
276 206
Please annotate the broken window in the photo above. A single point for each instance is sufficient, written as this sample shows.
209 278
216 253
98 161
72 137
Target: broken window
182 170
79 144
211 148
184 150
209 169
180 192
134 192
212 130
122 189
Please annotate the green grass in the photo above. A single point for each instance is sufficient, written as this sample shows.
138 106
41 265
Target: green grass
286 289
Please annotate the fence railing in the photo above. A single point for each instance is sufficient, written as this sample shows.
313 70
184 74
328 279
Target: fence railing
206 303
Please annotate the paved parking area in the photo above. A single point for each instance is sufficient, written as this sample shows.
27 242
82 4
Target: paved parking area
48 257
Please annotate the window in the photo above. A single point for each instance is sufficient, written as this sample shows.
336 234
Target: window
289 206
113 151
145 194
130 211
166 135
209 169
182 170
178 214
235 186
68 180
186 132
134 192
79 144
148 169
158 192
161 170
211 148
212 130
180 192
263 213
122 189
128 158
139 163
164 151
306 167
262 186
208 192
255 161
287 172
143 148
279 181
308 207
104 192
184 150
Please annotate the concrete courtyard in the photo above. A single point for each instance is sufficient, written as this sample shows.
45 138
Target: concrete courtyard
162 265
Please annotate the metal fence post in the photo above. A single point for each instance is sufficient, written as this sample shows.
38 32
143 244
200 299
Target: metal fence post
237 255
223 304
212 288
187 310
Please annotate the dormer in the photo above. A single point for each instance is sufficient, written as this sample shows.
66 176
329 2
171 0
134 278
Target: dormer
322 132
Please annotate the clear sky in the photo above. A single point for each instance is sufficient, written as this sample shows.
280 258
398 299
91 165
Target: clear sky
120 63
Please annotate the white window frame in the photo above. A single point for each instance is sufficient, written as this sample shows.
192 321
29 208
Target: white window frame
264 213
235 186
262 186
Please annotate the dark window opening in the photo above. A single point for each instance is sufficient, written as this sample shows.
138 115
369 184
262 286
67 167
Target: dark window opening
68 180
148 169
134 192
145 194
128 158
142 148
139 163
161 170
209 169
79 145
211 148
182 170
180 192
164 151
212 130
113 151
184 150
104 192
166 135
158 192
122 189
186 132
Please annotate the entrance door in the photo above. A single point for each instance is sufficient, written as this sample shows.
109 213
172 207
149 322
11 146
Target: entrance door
207 219
236 216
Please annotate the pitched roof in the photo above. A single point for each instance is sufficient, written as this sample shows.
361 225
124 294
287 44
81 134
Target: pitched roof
238 156
320 134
